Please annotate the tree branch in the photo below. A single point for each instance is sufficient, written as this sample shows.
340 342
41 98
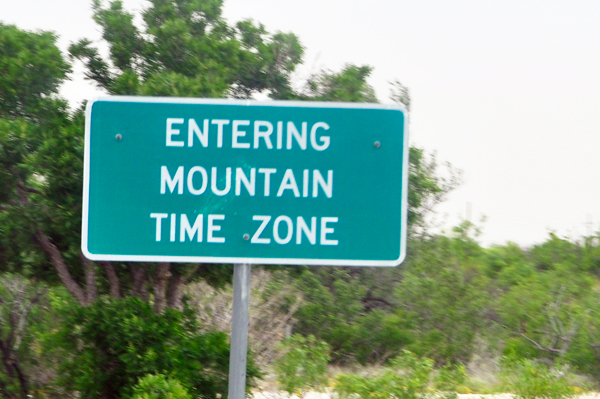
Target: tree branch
537 345
55 256
11 366
370 299
61 267
28 189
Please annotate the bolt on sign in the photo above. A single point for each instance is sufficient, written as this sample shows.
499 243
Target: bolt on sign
237 181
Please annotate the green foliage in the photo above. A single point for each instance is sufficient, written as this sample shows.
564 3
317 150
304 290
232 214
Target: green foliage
538 303
349 85
547 312
548 305
427 187
400 94
186 48
157 386
527 379
303 365
41 166
332 303
519 348
377 336
508 265
183 48
105 348
270 64
435 305
31 68
450 376
442 299
556 251
41 159
406 378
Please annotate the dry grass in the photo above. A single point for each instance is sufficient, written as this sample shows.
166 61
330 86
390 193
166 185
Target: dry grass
269 322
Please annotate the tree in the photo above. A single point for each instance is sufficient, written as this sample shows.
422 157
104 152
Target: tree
186 49
428 186
546 310
40 165
330 309
349 85
32 69
442 297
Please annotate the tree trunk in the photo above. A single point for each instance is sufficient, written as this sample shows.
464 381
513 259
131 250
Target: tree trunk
61 267
160 286
22 380
174 292
139 288
113 279
90 278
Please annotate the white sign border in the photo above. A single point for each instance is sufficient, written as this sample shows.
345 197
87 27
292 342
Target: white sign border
260 261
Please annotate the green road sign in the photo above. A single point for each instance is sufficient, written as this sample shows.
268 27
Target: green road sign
234 181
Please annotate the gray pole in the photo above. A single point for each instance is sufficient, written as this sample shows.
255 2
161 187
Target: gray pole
239 331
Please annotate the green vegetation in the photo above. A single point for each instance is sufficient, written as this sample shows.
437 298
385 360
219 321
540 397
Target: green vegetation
303 365
104 349
407 377
70 327
157 386
530 380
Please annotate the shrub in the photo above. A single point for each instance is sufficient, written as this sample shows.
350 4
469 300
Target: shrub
407 378
104 349
303 364
449 378
157 386
527 379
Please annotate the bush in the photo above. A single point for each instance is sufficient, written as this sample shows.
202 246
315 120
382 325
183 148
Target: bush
407 378
527 379
157 386
104 349
303 365
450 377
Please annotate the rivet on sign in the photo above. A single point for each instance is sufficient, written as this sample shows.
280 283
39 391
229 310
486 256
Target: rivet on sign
377 144
118 137
246 236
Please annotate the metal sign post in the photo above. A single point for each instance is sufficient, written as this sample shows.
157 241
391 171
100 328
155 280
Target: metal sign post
239 331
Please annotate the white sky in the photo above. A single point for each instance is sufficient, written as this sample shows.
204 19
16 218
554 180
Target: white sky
508 91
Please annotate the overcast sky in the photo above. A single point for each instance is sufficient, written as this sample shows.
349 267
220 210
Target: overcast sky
508 91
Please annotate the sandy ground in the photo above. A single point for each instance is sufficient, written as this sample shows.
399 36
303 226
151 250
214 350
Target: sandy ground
325 395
